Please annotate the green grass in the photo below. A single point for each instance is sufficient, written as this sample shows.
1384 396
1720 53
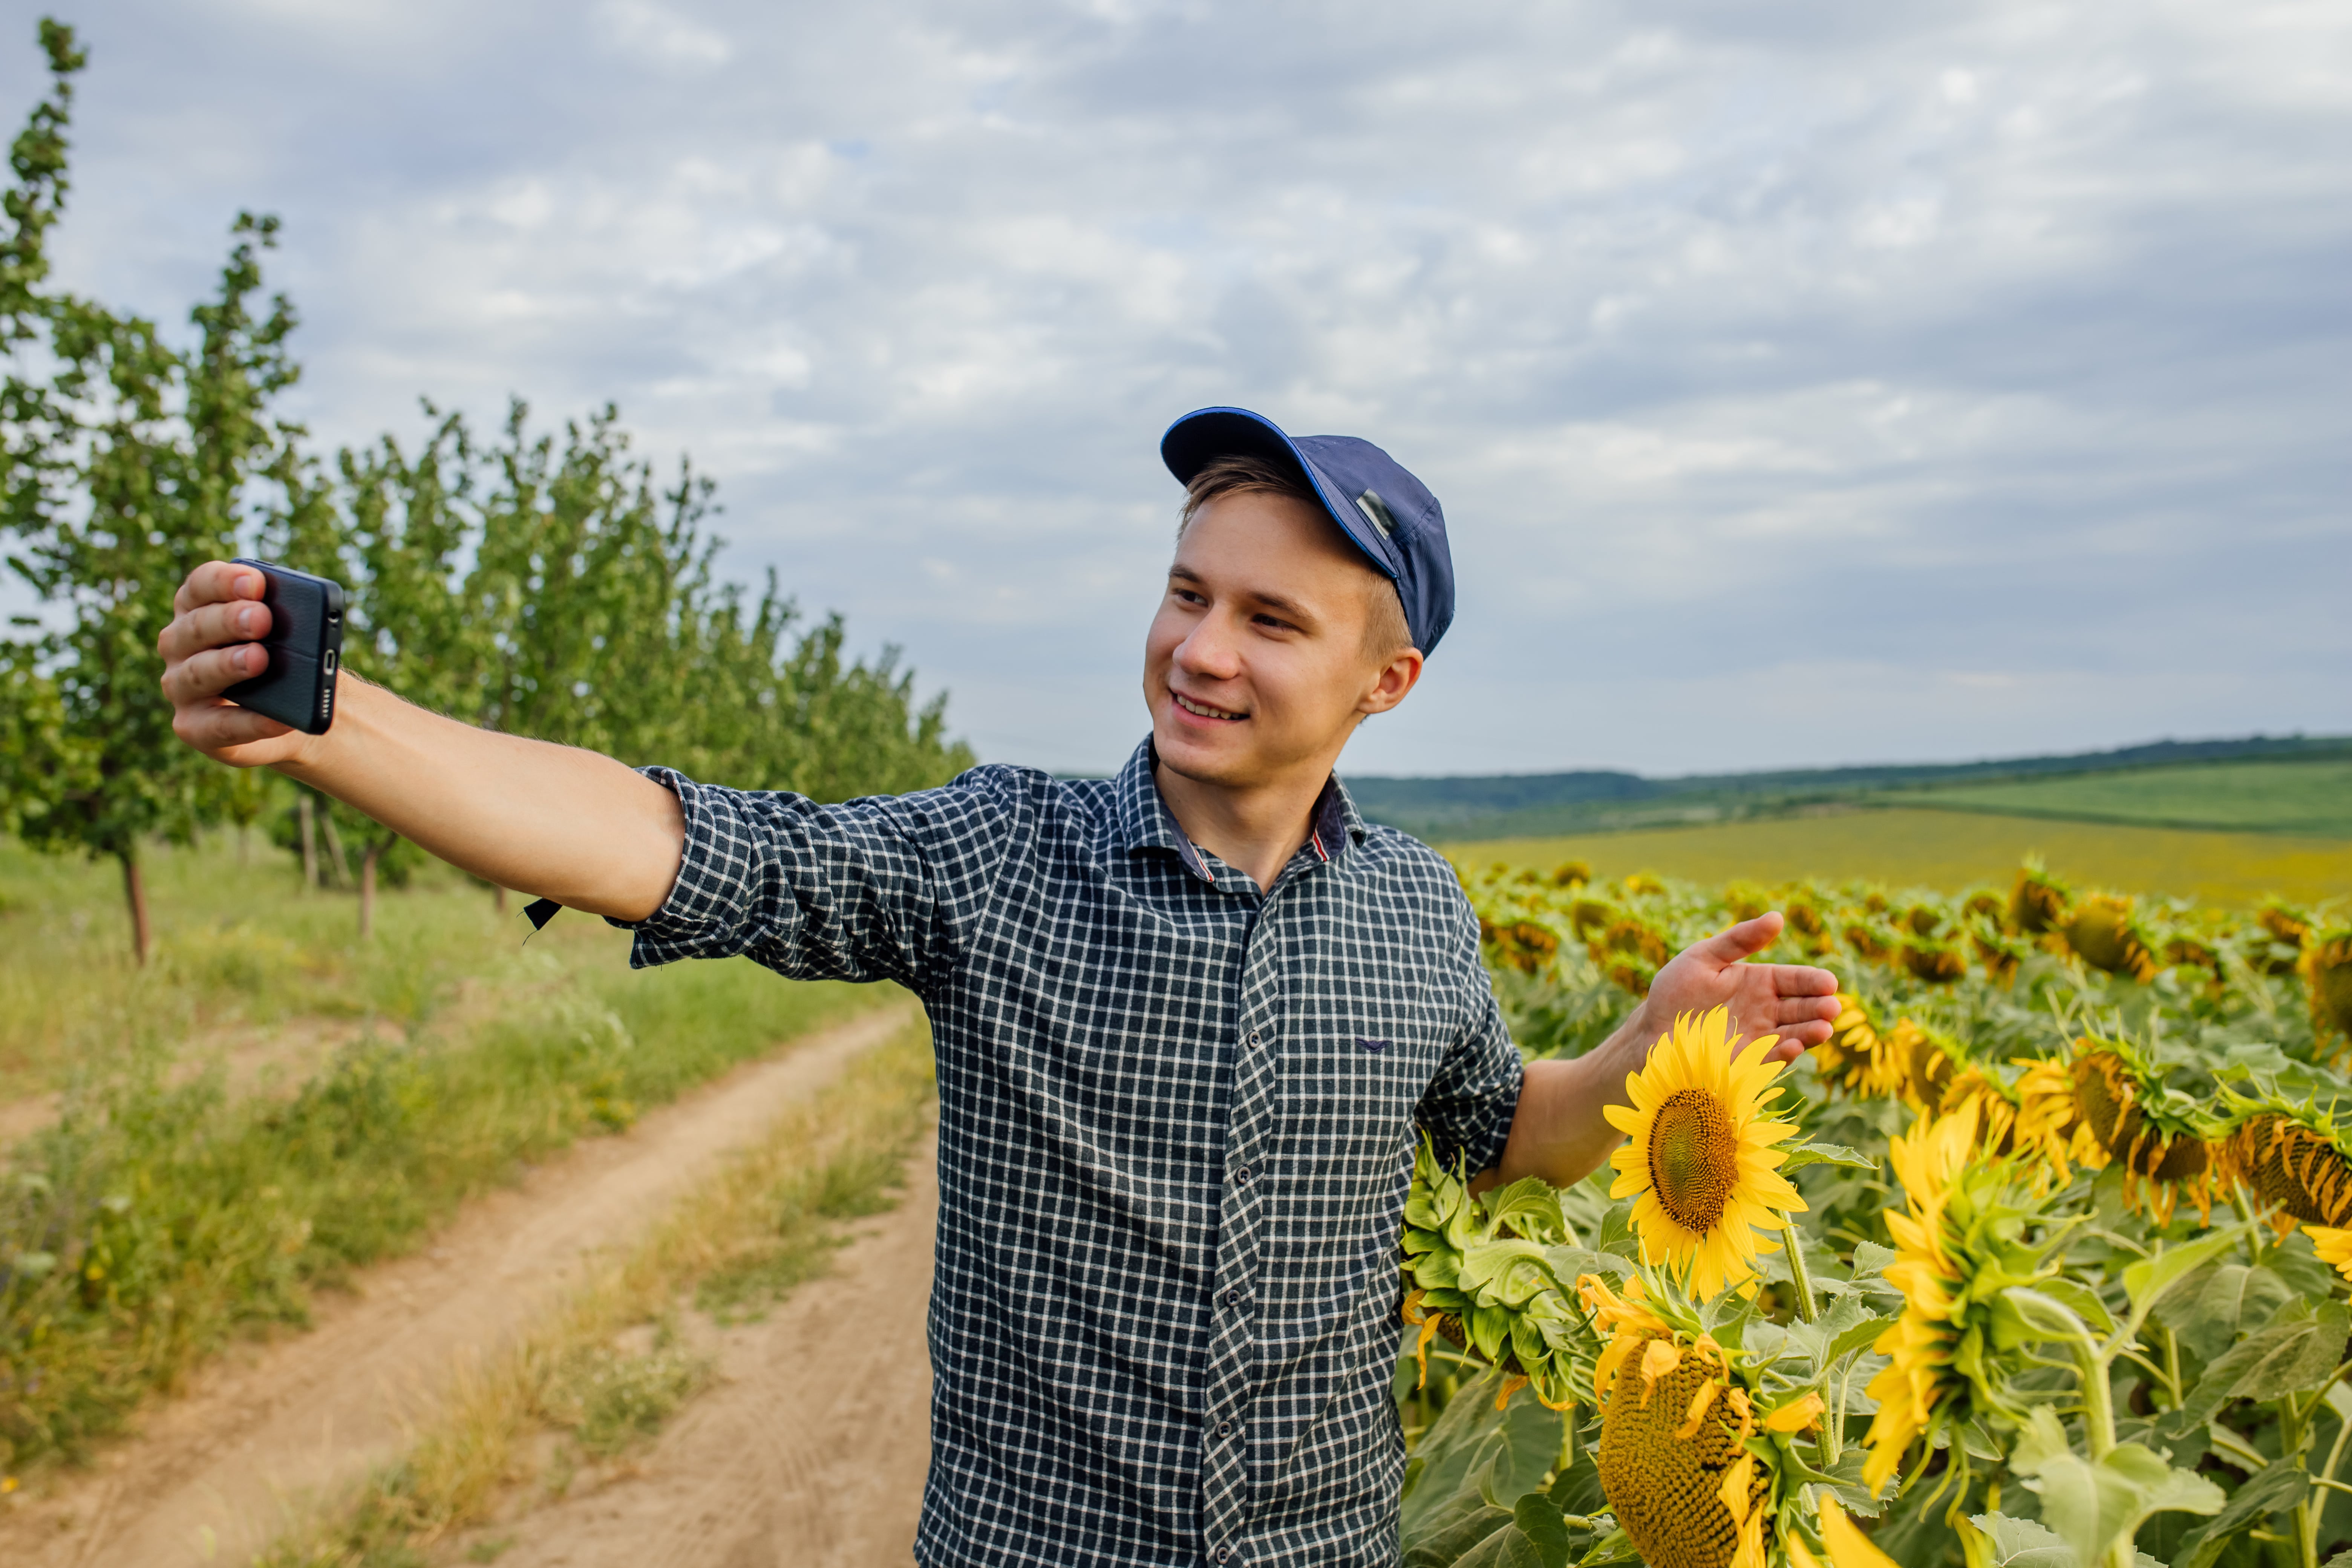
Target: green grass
2312 799
165 1213
1952 850
240 953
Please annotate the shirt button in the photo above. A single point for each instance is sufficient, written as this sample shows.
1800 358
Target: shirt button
1225 1553
1256 1038
1224 1428
1233 1297
1241 1172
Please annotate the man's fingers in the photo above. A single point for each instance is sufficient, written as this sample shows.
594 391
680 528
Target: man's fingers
217 726
1743 940
1803 980
216 583
214 671
1798 1038
213 625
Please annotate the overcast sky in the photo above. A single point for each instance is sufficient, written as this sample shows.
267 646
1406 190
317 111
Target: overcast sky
1803 383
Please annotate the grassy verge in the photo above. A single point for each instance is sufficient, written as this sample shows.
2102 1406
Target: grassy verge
160 1217
607 1369
240 952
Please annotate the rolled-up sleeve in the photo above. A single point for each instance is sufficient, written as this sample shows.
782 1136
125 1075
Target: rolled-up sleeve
881 889
1468 1106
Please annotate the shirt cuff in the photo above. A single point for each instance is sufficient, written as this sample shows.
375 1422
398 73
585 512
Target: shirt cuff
706 903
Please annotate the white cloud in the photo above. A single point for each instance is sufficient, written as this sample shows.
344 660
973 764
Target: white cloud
641 30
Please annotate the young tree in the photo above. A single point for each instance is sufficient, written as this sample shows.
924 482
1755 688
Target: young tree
127 465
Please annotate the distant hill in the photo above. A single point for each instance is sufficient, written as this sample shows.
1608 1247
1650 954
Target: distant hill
1529 805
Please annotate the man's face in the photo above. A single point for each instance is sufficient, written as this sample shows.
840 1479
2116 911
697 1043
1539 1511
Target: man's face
1255 663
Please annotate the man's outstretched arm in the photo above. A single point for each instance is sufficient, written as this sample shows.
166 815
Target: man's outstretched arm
552 821
1559 1132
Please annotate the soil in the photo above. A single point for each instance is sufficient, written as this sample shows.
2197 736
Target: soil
270 1427
810 1452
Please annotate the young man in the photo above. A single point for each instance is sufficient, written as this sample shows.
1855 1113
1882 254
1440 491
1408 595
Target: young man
1190 1021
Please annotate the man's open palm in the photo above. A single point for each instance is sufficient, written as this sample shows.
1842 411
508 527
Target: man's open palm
1794 1001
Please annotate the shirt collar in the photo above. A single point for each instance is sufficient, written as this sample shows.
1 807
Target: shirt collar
1146 823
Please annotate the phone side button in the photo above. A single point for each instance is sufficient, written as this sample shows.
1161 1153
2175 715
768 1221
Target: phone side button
331 661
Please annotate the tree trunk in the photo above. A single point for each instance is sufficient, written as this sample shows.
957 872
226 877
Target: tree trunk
339 864
310 821
501 894
367 888
134 890
243 845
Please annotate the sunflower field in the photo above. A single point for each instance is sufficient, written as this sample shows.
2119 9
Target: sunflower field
2042 1260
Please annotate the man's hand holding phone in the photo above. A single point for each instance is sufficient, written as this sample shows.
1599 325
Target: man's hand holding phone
214 642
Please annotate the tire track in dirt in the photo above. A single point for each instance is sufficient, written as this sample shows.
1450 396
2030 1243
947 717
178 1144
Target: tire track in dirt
214 1474
809 1452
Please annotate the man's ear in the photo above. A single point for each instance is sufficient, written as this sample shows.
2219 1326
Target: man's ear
1396 678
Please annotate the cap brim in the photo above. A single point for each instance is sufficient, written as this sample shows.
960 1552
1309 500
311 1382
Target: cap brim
1201 437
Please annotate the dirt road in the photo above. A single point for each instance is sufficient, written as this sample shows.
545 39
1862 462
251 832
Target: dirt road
809 1453
217 1472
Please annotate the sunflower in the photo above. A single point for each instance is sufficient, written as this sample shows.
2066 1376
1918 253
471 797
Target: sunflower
1633 936
2104 933
2293 1159
1926 1062
1937 962
2000 955
1983 904
2334 1246
2285 922
2153 1134
1960 1243
1699 1151
1868 942
2051 1128
1841 1539
1675 1426
1571 874
1526 946
1996 1106
1856 1057
2279 949
2038 903
1477 1274
2327 978
1745 899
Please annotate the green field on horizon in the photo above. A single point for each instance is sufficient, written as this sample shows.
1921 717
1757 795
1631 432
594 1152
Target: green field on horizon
1950 850
2310 798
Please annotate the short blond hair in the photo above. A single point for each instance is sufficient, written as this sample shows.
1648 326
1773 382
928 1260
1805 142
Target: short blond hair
1239 474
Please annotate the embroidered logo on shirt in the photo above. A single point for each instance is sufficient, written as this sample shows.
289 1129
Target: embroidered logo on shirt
1375 1047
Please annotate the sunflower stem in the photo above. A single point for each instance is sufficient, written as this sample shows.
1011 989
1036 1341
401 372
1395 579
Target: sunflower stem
1798 1275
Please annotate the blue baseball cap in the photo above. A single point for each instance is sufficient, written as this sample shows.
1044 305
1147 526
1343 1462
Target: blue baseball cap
1390 515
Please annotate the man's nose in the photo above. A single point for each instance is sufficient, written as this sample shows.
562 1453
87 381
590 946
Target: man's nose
1208 650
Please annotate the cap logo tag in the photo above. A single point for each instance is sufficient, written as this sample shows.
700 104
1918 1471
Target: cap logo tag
1370 504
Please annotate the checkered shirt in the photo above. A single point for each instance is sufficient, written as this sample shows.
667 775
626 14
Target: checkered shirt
1177 1126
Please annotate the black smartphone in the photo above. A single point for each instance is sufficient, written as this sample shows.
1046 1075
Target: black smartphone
305 643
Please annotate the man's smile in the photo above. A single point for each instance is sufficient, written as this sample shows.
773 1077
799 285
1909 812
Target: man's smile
1201 709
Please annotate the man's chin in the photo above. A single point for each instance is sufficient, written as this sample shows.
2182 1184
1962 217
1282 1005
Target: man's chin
1206 759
